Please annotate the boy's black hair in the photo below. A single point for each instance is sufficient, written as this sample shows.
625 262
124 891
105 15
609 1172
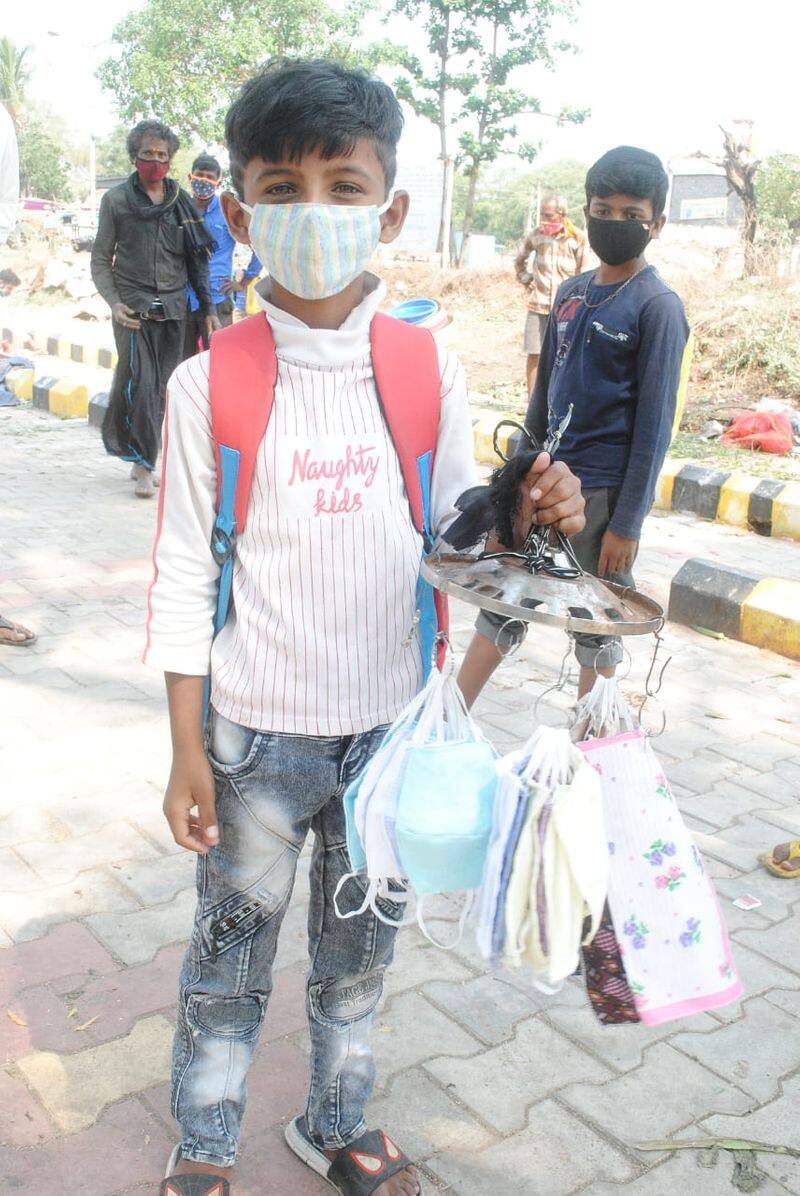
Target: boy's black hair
151 128
294 106
207 163
627 170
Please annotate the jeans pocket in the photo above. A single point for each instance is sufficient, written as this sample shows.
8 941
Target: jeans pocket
226 1017
232 750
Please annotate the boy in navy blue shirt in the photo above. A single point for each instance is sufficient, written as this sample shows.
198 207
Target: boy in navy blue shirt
205 182
614 350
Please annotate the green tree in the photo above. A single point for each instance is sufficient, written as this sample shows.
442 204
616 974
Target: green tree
467 87
429 86
14 77
183 63
509 34
112 156
778 193
43 169
505 197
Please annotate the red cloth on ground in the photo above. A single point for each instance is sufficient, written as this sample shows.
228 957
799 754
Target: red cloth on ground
765 431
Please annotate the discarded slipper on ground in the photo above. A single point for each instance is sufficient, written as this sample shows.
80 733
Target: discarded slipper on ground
357 1171
191 1185
775 861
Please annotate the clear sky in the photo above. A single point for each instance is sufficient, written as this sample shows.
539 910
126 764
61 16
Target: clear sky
658 75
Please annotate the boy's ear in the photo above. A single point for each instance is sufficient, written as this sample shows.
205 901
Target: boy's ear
236 218
394 217
655 231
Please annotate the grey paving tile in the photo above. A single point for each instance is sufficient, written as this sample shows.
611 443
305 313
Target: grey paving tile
554 1155
510 1077
666 1093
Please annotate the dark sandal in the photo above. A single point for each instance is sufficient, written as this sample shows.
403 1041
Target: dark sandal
191 1185
360 1168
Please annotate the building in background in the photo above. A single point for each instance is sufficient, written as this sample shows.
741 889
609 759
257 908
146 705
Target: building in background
700 196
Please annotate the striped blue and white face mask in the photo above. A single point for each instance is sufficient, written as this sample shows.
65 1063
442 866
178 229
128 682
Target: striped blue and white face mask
315 250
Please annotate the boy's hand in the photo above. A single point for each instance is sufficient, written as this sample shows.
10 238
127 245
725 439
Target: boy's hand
550 495
189 804
616 554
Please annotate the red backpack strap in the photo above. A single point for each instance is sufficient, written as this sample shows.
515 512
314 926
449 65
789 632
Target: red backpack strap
405 362
242 391
406 367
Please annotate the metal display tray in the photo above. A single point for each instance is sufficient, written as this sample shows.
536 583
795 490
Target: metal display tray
583 605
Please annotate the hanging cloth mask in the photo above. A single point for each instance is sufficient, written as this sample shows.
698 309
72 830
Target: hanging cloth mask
446 800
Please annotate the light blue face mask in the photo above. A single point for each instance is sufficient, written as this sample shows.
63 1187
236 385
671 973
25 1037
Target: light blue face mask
444 815
315 250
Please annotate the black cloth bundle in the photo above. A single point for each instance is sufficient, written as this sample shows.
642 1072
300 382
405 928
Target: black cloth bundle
493 507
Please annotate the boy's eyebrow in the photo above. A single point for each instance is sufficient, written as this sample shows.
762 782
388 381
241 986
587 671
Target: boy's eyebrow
336 166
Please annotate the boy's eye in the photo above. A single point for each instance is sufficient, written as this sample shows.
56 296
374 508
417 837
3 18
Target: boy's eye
280 189
347 189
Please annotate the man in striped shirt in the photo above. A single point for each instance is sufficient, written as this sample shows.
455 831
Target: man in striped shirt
319 653
553 252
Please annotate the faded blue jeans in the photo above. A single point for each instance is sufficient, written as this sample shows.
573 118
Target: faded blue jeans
271 789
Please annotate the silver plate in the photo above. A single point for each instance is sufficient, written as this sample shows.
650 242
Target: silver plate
584 605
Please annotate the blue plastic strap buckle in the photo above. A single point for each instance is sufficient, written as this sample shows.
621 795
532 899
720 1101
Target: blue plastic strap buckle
223 544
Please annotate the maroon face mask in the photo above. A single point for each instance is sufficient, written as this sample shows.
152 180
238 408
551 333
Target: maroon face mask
151 172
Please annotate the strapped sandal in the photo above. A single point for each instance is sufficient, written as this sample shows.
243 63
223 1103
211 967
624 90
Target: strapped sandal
7 625
359 1169
790 854
191 1185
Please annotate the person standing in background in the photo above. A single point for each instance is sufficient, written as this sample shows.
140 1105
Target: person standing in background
205 182
151 243
550 254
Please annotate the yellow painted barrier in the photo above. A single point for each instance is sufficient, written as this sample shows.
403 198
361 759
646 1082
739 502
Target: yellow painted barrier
68 399
786 512
771 617
734 499
20 381
666 482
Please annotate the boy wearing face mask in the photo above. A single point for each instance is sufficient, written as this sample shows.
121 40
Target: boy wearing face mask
321 650
205 180
554 251
616 350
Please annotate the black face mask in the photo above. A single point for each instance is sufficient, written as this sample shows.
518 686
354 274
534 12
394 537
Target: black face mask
616 241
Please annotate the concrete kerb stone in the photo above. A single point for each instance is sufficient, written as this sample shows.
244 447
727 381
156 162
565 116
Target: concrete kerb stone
89 354
763 611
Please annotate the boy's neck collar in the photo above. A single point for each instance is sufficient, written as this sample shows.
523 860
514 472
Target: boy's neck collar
324 347
607 275
327 315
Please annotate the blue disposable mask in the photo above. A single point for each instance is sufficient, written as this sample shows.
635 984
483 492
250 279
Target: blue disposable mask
444 815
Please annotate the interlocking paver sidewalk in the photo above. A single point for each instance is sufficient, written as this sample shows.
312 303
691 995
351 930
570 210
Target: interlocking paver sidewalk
494 1086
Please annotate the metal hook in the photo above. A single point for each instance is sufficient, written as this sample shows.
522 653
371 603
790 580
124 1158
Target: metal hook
561 680
651 691
512 423
508 652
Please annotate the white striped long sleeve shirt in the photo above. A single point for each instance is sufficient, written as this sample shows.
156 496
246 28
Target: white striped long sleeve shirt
319 637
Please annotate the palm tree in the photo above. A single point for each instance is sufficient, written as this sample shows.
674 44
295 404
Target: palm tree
14 75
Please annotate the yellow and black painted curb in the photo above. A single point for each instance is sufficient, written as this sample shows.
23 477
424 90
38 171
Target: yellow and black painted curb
763 505
764 611
61 396
102 356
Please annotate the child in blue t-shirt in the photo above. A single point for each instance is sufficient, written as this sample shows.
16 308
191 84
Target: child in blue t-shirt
614 351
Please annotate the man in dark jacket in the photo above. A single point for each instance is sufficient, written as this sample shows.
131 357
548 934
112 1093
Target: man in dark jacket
151 242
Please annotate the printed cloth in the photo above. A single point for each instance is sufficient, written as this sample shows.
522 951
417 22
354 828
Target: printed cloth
671 934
